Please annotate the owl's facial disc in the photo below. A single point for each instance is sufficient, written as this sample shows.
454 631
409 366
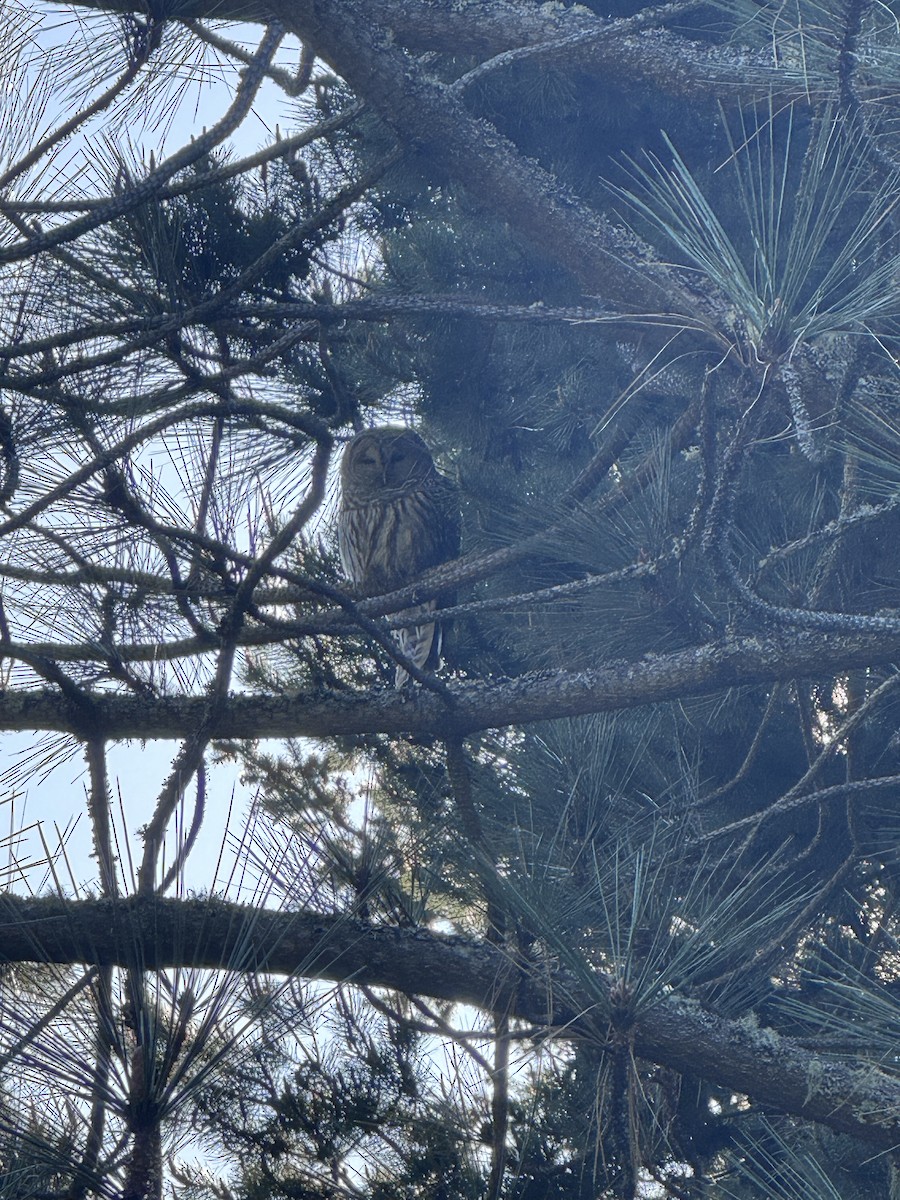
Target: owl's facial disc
402 464
385 463
368 463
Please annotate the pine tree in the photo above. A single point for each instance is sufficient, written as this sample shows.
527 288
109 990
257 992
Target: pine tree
607 906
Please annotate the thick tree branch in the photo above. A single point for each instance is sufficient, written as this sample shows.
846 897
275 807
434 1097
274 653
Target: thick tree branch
466 707
852 1097
608 49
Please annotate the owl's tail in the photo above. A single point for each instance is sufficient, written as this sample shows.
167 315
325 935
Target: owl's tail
420 643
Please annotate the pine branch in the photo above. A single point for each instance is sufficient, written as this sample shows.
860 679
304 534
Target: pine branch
147 189
607 49
198 180
852 1096
536 696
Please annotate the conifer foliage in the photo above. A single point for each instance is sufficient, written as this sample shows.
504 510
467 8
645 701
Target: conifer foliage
606 907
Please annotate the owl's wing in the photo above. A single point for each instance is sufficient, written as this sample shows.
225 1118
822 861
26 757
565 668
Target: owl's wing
349 550
444 526
450 505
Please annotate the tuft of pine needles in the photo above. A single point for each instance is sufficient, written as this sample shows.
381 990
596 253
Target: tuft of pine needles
806 250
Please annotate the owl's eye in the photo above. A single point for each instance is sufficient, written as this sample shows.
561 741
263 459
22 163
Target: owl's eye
367 460
398 456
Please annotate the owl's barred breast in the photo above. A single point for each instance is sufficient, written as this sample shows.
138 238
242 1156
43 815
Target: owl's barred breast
386 544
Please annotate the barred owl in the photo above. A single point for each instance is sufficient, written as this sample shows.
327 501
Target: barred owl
398 517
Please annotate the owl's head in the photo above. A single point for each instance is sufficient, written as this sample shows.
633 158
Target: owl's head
385 462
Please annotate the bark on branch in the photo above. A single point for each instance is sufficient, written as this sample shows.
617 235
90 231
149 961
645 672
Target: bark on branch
850 1096
467 707
606 48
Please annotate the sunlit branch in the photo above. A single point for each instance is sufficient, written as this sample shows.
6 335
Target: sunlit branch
425 114
667 60
486 704
291 84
